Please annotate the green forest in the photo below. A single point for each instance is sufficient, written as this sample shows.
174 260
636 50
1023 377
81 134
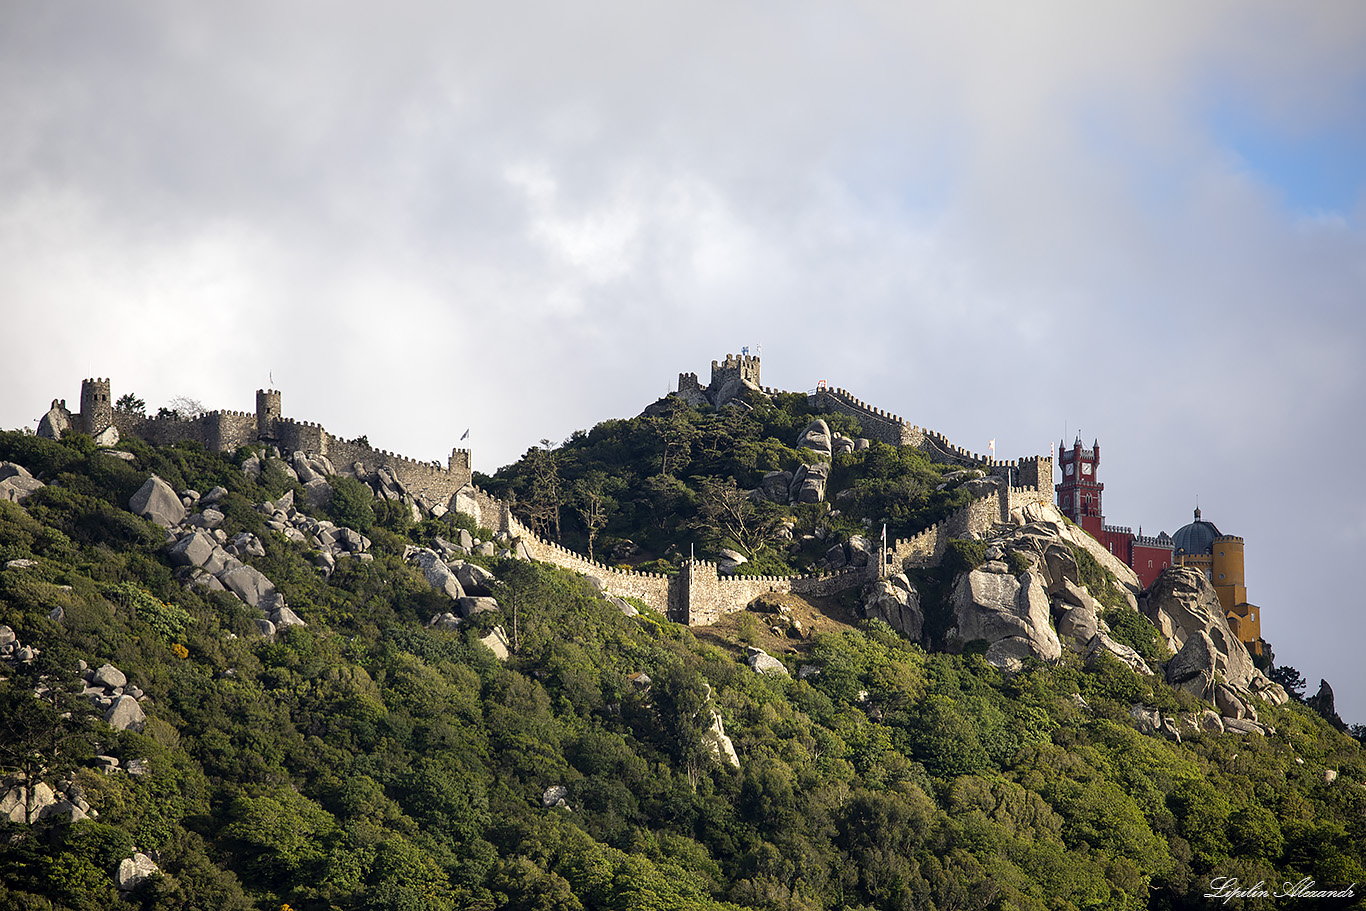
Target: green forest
366 762
642 491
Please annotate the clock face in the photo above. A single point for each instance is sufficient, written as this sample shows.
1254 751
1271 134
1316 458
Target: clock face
1067 469
1085 467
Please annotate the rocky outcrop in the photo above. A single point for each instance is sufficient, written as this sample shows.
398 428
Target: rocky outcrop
1010 614
764 663
438 574
56 422
1182 604
808 485
896 602
16 484
817 438
158 501
496 641
718 743
134 871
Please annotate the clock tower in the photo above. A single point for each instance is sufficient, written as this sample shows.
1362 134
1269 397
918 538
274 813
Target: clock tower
1079 493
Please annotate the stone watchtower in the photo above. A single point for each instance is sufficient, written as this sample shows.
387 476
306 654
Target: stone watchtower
745 368
267 412
97 408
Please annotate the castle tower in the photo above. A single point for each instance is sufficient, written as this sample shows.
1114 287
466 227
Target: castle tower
744 367
1201 546
1079 493
97 408
267 412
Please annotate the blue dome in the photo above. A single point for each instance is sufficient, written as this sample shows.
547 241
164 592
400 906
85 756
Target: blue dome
1196 538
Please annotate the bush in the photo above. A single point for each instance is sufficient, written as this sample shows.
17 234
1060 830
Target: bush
351 503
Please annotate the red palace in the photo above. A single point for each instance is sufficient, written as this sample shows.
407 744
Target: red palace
1079 499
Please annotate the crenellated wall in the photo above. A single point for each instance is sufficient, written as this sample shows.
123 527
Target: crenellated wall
699 594
972 521
223 431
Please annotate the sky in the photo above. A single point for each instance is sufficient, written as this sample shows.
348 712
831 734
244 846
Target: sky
1140 223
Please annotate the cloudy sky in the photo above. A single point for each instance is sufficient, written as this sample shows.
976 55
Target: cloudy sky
1143 222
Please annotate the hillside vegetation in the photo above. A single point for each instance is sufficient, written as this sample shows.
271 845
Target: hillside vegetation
366 761
672 481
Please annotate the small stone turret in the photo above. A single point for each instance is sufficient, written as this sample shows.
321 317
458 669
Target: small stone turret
744 367
267 413
97 408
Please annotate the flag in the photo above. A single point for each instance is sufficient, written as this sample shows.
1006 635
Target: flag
992 444
465 435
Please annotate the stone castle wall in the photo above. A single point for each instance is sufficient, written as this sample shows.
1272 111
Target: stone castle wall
699 594
224 431
974 520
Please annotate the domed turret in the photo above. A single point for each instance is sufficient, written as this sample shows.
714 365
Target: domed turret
1197 537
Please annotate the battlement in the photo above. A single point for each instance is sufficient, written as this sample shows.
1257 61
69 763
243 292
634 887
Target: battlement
744 367
1150 541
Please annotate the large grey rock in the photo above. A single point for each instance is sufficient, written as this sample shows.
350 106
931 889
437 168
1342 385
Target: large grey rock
718 743
469 606
220 561
55 423
17 489
1243 726
319 492
193 550
496 641
16 805
13 470
125 714
472 575
109 677
1263 687
249 584
213 496
764 663
438 574
1061 566
1078 626
861 551
992 607
816 437
896 602
1102 643
1194 669
208 519
1230 706
108 437
134 871
808 486
557 795
775 487
1182 603
158 501
283 617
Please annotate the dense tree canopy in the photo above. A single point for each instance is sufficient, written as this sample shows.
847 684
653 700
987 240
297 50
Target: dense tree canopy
368 762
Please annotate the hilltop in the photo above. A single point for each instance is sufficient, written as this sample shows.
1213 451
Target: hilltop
668 663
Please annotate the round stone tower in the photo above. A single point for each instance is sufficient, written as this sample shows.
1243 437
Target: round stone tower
267 412
97 408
